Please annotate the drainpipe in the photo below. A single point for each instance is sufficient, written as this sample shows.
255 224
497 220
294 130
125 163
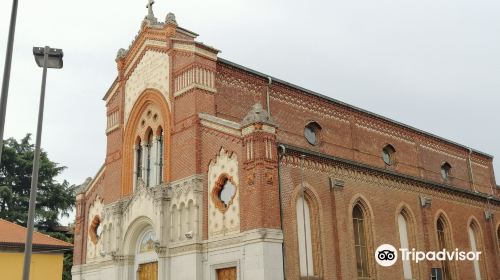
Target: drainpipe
471 175
281 154
270 81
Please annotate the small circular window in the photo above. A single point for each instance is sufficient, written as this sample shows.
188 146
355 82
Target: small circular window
224 192
388 154
311 133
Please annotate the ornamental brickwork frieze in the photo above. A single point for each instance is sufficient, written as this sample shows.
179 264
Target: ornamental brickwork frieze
243 82
353 174
311 104
222 135
143 51
385 129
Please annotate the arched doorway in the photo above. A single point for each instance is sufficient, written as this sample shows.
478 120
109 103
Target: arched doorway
146 259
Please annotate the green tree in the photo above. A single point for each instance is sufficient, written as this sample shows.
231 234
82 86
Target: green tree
54 199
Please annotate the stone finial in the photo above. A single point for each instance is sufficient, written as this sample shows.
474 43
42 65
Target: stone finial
83 187
170 18
121 54
258 115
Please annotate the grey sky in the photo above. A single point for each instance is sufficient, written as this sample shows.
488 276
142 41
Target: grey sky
431 64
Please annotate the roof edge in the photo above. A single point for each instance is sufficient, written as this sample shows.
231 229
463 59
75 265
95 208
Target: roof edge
36 247
338 102
108 92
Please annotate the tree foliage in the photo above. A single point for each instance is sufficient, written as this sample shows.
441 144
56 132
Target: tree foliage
54 199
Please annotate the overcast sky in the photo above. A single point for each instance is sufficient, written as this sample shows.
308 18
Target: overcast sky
432 64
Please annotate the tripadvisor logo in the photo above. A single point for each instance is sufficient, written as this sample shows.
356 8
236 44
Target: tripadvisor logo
387 255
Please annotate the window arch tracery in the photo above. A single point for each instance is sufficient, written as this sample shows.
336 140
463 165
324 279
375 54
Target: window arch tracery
362 240
444 242
149 148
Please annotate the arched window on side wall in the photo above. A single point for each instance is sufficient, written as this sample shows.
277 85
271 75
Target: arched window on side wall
476 245
444 243
498 236
404 238
304 232
149 147
360 241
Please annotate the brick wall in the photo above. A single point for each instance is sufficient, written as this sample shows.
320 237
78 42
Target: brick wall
346 133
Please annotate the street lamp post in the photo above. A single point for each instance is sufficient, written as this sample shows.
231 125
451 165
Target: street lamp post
6 73
46 58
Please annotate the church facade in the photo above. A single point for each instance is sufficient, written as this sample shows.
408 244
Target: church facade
216 171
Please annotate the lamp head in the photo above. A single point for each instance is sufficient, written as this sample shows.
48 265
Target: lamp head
54 57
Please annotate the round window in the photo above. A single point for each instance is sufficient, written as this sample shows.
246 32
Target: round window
388 154
311 132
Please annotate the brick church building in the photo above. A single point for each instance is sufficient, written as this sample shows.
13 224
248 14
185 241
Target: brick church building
216 171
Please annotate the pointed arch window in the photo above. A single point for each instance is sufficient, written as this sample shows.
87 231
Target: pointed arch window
149 147
443 243
476 246
138 159
498 236
445 171
304 232
404 238
360 241
160 156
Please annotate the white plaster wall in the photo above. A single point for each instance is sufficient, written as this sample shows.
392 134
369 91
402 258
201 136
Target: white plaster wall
96 272
257 256
185 267
264 260
151 72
